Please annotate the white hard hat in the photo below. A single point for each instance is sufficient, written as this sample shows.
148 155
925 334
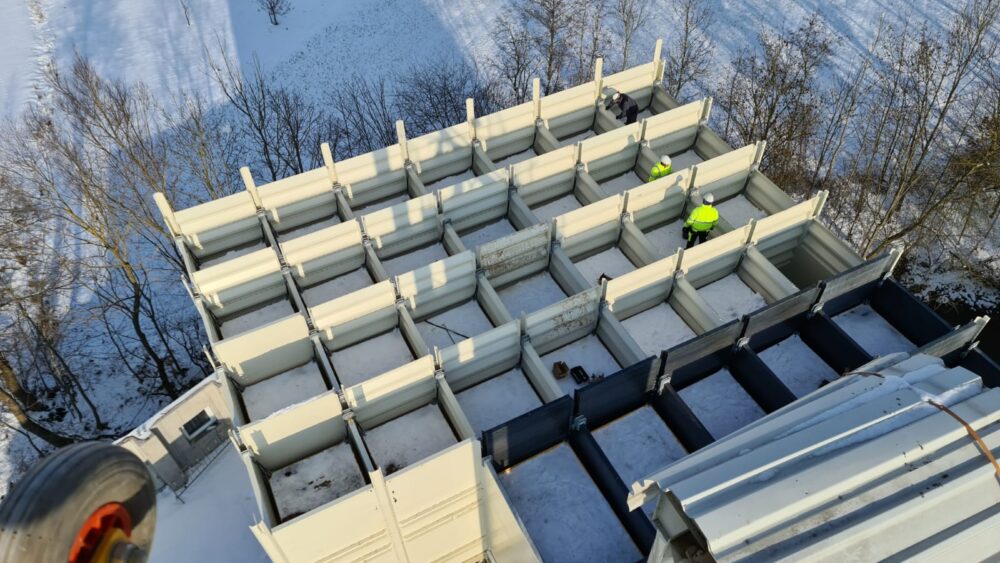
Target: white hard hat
709 199
665 160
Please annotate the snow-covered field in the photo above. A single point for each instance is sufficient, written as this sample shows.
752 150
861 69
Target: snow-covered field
166 43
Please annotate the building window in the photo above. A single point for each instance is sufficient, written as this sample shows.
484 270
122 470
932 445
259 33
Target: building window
198 425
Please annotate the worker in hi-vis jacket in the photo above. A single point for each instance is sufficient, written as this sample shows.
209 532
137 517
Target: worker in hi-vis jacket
660 169
701 222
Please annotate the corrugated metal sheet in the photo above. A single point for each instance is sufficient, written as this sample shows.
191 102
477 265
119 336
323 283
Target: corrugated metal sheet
866 468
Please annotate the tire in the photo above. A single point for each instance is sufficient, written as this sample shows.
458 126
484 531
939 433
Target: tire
42 515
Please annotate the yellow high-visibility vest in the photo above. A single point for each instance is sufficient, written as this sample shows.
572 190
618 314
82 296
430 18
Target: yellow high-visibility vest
659 170
703 218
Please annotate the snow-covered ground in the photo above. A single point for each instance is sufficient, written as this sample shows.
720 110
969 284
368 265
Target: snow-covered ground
563 510
487 233
638 444
531 294
370 357
668 238
337 287
498 400
738 211
658 328
283 390
872 332
454 325
797 366
556 207
415 259
731 298
409 438
721 403
620 183
316 480
211 520
612 262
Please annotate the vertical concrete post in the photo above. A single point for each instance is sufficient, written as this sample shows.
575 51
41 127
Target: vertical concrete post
820 202
657 62
470 117
331 167
168 213
401 137
579 152
758 155
598 78
706 110
251 186
642 131
751 227
895 253
536 97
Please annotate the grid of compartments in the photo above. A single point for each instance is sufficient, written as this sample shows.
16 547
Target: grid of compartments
624 428
375 312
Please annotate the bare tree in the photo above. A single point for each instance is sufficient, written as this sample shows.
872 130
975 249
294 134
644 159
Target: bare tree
631 16
590 40
515 61
252 98
689 55
550 23
367 114
275 8
772 94
433 96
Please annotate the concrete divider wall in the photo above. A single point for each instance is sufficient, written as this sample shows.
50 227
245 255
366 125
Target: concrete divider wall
709 144
546 177
506 132
765 194
570 111
325 254
238 284
714 259
660 201
641 289
475 202
725 176
296 432
356 316
674 131
564 322
393 393
300 199
612 153
481 357
591 228
373 176
220 224
403 227
260 353
441 153
515 256
438 286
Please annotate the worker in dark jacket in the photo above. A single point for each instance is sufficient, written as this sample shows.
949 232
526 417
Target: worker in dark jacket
621 105
701 222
